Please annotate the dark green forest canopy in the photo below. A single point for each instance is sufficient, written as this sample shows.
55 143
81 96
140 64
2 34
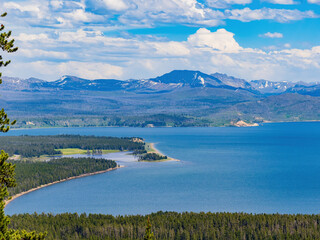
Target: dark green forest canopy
152 157
172 225
35 146
33 174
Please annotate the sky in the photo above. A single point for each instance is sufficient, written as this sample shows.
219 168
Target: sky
277 40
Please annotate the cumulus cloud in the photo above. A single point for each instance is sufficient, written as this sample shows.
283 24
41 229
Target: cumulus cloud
221 40
271 35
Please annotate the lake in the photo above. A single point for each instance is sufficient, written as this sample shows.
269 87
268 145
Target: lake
266 169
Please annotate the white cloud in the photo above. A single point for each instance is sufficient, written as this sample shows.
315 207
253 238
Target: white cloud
32 37
279 15
90 54
272 35
126 14
171 48
222 58
39 53
80 15
56 4
22 7
314 1
117 5
283 2
27 9
221 40
226 3
90 70
149 12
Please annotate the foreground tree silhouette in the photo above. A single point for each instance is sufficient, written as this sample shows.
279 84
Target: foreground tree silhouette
7 179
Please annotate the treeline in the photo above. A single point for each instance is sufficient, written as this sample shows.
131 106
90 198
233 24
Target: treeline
155 120
35 146
33 174
172 225
152 157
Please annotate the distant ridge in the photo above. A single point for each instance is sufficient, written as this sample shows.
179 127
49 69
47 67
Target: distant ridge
177 98
173 80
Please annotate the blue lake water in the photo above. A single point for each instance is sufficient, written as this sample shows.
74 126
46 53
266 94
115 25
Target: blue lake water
270 168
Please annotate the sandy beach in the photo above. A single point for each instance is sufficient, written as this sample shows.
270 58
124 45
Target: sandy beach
153 149
60 181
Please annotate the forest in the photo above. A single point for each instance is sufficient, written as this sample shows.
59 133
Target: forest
33 174
172 225
35 146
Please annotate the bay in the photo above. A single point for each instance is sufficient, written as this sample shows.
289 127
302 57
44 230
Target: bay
266 169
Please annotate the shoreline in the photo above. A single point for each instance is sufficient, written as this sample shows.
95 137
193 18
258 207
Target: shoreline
155 150
266 121
59 181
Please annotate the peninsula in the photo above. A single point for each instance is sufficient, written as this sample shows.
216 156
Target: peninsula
42 161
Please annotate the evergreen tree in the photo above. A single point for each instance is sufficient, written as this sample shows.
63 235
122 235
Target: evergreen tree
149 234
7 179
6 45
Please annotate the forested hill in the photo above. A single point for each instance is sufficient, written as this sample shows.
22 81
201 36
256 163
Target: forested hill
35 146
172 225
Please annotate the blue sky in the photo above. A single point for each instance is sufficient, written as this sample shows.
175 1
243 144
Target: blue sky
277 40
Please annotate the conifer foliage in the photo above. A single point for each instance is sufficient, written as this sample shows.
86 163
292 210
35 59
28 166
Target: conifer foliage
7 45
149 234
7 179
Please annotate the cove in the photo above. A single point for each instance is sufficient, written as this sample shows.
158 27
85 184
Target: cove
266 169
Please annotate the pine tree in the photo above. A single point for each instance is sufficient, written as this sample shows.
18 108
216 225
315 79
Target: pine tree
149 235
7 179
7 45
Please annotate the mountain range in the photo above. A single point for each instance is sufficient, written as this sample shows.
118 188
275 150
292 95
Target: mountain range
177 98
167 82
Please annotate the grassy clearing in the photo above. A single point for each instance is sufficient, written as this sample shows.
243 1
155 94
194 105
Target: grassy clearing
71 151
65 152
